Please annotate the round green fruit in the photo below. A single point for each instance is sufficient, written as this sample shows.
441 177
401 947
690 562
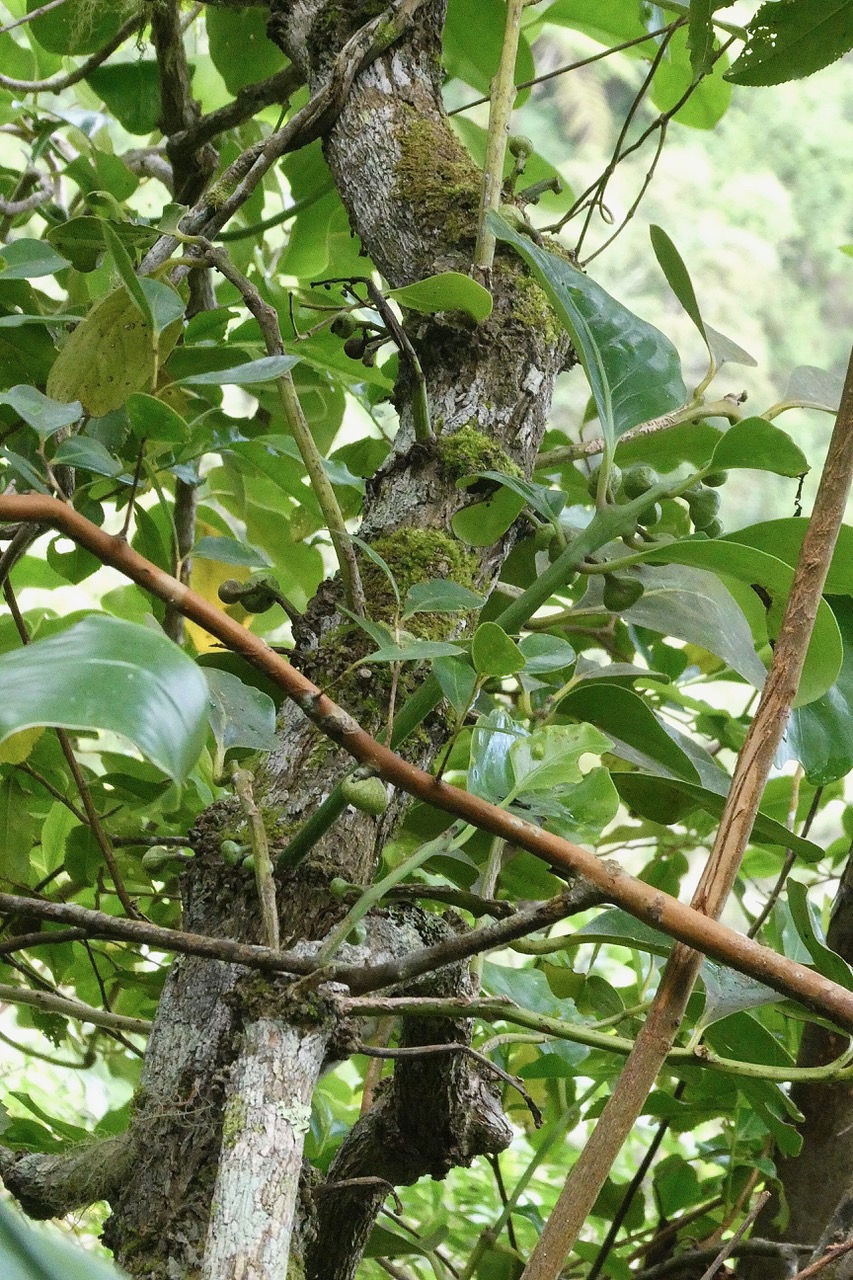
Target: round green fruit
232 852
651 516
620 593
157 858
716 478
703 507
714 529
638 479
367 794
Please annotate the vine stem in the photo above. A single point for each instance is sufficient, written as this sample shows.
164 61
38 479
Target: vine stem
753 765
644 901
500 111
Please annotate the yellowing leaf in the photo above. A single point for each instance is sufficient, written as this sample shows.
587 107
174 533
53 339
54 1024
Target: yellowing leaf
15 749
109 355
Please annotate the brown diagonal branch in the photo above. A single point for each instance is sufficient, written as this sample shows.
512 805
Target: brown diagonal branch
751 771
641 900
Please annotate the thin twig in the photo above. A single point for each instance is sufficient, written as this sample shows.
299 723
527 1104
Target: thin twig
50 1003
243 780
834 1251
711 1271
503 93
79 73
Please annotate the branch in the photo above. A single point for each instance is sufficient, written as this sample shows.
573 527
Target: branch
500 111
48 1002
751 771
79 73
641 900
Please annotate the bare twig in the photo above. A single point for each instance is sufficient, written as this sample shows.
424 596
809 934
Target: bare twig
502 97
79 73
50 1003
730 1245
243 780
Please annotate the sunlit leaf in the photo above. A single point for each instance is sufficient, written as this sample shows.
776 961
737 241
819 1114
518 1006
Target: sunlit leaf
758 444
448 291
792 40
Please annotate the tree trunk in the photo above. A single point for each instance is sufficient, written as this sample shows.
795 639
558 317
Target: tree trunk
412 195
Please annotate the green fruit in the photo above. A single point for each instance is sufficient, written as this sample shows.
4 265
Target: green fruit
714 529
367 794
638 479
544 536
248 862
344 326
232 852
519 146
703 506
620 593
716 478
157 859
614 483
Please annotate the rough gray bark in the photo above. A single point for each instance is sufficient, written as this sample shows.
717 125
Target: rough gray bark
412 195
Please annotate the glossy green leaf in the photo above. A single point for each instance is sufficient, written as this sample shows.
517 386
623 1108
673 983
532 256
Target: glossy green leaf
483 523
758 444
490 774
727 351
633 370
128 276
670 800
240 715
792 40
494 653
26 259
267 369
544 654
677 276
607 21
103 673
784 539
165 304
700 35
541 498
628 719
549 758
17 830
814 386
448 291
729 558
579 812
440 595
44 415
473 36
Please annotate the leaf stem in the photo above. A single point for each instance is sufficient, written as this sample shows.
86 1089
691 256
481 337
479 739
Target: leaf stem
500 110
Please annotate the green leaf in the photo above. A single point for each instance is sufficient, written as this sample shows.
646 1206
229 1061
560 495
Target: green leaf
792 40
783 539
266 369
607 21
541 498
240 48
633 370
103 673
726 351
165 304
447 291
153 419
483 523
473 36
490 774
728 992
78 26
730 558
413 651
124 267
240 715
457 680
440 595
677 276
549 758
670 800
815 386
758 444
44 415
494 653
820 735
88 455
709 98
17 831
544 654
131 90
637 734
230 551
700 35
29 1253
807 923
25 259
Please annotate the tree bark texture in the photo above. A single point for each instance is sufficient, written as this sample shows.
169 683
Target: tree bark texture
412 195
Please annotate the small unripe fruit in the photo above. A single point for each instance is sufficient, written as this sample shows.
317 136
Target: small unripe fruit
714 529
544 536
620 593
520 146
354 347
344 326
638 479
232 852
366 794
716 478
248 863
157 859
703 506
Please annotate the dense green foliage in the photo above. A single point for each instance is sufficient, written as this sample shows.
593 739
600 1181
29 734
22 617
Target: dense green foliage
609 711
